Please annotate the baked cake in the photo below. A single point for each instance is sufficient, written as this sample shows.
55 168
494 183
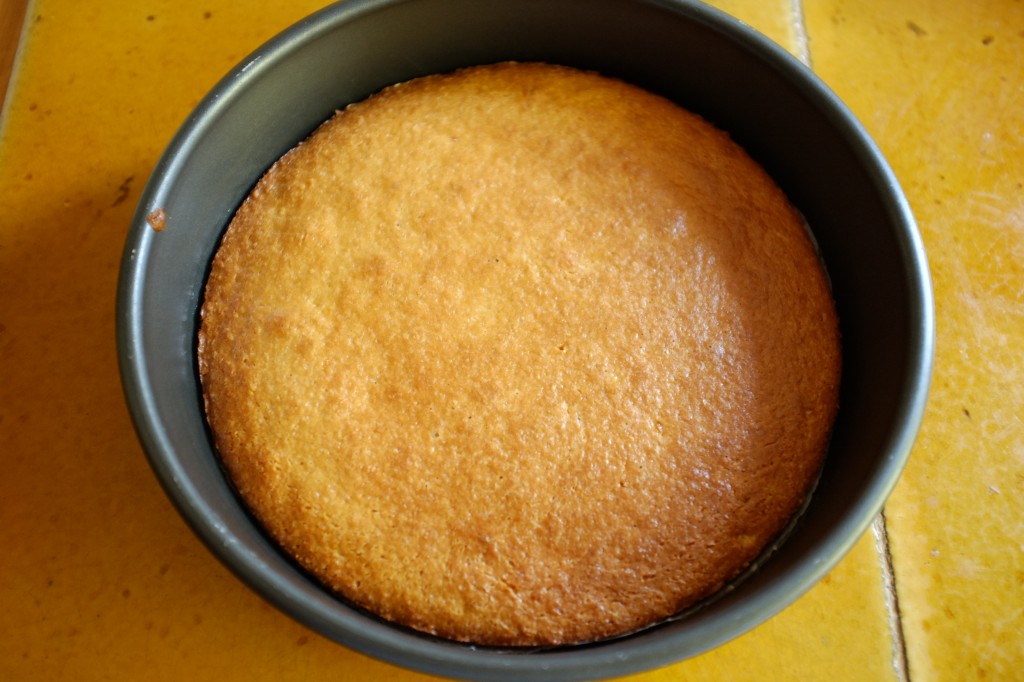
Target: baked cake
520 355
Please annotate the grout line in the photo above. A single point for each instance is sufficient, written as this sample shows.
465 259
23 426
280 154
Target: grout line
892 604
803 40
14 19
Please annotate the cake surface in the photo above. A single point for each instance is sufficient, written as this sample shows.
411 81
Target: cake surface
519 356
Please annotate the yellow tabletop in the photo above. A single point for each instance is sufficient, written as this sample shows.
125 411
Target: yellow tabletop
100 578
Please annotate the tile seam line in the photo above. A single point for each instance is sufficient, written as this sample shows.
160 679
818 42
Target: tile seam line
892 605
7 86
801 37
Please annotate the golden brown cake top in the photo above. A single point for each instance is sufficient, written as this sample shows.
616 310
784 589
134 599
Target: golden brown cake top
520 355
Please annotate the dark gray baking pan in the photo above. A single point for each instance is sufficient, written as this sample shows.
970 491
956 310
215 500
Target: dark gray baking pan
706 61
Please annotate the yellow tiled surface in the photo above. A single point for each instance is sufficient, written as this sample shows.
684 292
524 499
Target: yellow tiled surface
941 87
100 579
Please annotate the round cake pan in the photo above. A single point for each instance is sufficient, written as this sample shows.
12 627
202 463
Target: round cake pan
704 60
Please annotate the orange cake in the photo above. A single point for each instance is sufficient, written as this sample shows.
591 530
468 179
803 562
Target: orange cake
519 356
